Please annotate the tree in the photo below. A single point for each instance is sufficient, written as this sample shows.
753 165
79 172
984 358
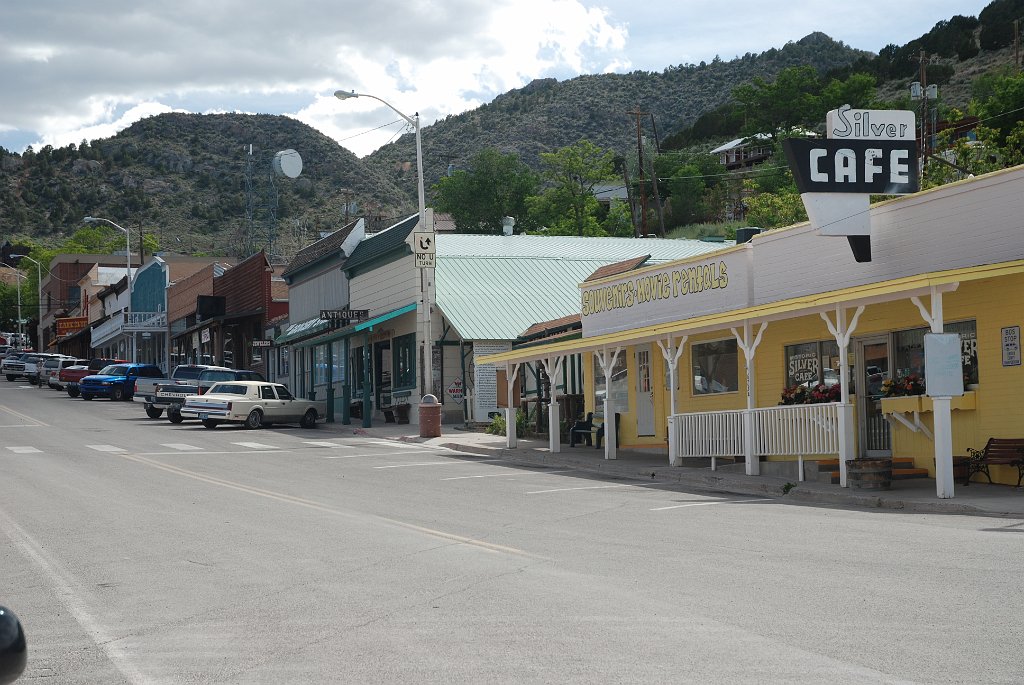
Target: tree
495 186
791 101
568 205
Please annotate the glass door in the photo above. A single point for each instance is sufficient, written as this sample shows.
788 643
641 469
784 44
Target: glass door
871 370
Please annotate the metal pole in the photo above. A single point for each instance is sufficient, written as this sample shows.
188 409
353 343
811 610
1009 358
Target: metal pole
128 274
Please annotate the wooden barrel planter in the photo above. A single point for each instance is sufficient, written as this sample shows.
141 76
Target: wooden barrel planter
869 474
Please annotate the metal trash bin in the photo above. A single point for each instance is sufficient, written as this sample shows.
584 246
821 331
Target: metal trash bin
430 417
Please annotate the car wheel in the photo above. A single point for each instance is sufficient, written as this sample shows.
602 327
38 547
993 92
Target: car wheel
254 420
72 392
174 416
210 423
86 396
309 419
117 393
154 412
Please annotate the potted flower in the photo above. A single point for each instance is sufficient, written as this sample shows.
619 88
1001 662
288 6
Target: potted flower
902 394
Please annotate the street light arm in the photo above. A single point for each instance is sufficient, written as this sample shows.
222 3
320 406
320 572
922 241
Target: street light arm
345 95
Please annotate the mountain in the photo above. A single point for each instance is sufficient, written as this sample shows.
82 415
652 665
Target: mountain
548 114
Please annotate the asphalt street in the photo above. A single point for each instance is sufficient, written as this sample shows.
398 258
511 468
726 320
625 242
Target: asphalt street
137 551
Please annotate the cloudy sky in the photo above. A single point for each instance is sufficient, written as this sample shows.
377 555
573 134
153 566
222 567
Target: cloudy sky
73 70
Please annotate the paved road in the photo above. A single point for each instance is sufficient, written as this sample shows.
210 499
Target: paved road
140 552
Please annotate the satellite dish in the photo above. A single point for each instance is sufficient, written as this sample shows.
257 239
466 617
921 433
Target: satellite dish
287 163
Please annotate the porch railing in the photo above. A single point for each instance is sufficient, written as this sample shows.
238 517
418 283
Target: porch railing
793 430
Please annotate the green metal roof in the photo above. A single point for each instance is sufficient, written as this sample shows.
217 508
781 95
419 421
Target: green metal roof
495 287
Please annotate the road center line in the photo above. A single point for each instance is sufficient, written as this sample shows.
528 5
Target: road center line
310 504
36 422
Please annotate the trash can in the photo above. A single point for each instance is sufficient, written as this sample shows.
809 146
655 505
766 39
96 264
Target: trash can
430 417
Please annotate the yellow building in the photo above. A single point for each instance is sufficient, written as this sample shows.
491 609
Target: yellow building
698 353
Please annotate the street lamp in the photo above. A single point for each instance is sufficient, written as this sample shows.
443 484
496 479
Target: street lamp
414 121
21 323
39 287
127 268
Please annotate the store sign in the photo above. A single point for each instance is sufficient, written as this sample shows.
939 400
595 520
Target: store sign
344 315
71 324
865 152
455 390
261 343
803 368
657 295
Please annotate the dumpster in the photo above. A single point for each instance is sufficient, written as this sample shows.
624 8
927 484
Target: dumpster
430 417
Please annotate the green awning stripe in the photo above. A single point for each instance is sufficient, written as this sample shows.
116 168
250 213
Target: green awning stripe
384 317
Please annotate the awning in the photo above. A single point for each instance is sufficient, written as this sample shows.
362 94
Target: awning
871 293
320 329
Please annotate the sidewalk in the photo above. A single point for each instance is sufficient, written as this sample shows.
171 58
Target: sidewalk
916 496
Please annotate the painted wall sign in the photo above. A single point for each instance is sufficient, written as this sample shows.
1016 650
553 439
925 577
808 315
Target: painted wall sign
880 167
678 290
71 324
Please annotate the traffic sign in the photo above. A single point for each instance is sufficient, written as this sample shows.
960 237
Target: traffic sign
424 242
425 260
455 390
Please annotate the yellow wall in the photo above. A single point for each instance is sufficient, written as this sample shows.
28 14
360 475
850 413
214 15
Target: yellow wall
993 303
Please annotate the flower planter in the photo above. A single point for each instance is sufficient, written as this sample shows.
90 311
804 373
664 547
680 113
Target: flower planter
869 474
901 405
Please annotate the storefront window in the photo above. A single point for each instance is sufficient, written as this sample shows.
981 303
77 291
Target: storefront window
618 388
284 355
338 361
358 369
812 363
715 367
320 365
909 347
404 361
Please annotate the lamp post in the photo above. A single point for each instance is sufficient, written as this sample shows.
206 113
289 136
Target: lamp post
21 323
426 279
127 269
39 288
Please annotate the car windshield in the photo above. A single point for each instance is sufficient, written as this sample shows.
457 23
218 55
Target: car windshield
114 370
187 373
209 375
229 389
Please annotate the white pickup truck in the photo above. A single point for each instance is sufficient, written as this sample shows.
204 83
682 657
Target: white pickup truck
253 404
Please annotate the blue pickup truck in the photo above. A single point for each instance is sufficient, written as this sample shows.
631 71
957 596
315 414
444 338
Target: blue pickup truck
117 381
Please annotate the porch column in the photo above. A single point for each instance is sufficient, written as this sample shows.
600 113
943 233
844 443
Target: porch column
942 415
842 331
553 368
511 439
607 364
672 359
748 343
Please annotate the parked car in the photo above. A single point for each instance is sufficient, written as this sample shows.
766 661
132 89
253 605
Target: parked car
183 382
52 368
27 366
117 381
70 376
253 404
13 366
174 395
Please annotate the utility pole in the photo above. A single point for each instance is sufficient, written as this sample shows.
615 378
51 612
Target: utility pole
640 155
654 179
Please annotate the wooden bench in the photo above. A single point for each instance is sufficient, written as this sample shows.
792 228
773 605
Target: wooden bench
585 431
1005 451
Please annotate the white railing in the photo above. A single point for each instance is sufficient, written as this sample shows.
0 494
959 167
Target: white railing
793 430
107 330
706 434
147 321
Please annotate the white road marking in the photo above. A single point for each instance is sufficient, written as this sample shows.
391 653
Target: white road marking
23 450
705 504
588 487
105 448
324 443
509 475
433 463
24 425
180 446
255 445
394 443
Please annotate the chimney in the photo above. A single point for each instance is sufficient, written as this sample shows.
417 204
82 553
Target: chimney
506 225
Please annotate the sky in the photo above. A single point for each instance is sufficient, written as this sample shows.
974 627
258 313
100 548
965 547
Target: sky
73 70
